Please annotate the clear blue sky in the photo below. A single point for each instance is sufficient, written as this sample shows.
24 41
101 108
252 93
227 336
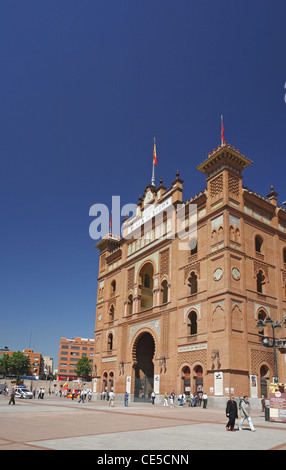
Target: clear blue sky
85 87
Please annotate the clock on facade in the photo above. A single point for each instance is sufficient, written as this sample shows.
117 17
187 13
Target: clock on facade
236 273
218 274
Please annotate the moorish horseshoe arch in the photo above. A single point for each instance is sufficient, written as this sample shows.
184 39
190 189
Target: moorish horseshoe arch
143 364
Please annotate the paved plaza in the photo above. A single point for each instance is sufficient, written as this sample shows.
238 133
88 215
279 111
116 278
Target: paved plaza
62 424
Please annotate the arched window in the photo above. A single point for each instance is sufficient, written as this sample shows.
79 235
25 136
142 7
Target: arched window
164 292
113 286
146 275
220 234
111 313
186 380
192 323
193 283
258 244
110 342
214 237
260 281
104 381
261 316
237 235
130 304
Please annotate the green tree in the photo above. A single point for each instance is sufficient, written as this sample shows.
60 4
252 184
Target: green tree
4 365
18 364
83 368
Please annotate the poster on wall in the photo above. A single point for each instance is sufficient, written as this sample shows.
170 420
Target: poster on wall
157 384
218 383
277 401
128 384
253 386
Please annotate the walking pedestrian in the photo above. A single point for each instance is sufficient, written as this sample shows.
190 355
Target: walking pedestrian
166 399
263 403
245 414
81 398
126 396
192 400
12 397
153 397
205 400
231 413
171 398
111 399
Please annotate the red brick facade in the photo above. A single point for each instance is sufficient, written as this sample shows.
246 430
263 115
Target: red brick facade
171 319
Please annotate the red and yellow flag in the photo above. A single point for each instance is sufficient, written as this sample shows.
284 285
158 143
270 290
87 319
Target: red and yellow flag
154 153
222 141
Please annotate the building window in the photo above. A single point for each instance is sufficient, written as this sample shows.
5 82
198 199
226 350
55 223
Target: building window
193 283
164 292
261 316
113 286
111 313
193 246
146 281
110 342
258 244
192 323
130 304
260 281
146 275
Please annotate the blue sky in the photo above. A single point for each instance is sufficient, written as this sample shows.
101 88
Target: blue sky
85 87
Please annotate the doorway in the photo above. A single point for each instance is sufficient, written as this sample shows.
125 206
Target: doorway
144 368
264 380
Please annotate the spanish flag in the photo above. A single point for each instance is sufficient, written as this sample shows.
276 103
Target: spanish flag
154 153
222 141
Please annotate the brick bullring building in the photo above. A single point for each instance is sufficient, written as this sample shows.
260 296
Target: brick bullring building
186 319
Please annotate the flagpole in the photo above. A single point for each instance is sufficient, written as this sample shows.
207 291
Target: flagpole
153 170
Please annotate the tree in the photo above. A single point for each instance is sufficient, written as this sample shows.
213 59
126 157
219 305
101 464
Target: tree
18 364
4 365
83 368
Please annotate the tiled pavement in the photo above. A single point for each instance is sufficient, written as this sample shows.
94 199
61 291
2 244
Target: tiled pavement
63 424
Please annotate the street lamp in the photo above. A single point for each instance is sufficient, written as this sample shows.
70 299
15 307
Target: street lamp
271 344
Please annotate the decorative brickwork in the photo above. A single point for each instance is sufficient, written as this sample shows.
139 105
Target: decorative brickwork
130 278
193 357
259 357
216 186
233 185
164 262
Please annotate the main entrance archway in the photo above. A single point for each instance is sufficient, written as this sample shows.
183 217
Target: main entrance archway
144 367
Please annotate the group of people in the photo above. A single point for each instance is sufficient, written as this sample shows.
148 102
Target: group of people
40 393
190 400
83 395
232 414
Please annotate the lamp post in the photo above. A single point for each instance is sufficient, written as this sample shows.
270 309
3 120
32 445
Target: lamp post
265 342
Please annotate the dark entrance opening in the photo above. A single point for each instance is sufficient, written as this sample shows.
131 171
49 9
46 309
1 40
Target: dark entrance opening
144 368
264 379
